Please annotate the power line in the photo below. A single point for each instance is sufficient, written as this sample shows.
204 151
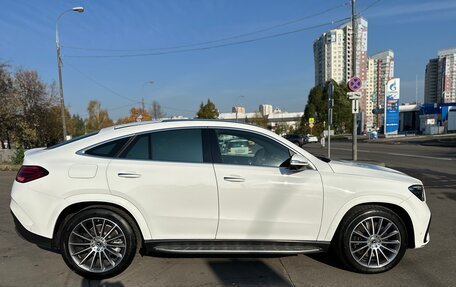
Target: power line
218 40
98 83
213 46
370 6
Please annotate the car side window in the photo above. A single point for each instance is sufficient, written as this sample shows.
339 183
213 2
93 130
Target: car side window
184 145
108 149
138 148
245 148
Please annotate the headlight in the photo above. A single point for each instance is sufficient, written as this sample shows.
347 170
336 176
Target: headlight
418 191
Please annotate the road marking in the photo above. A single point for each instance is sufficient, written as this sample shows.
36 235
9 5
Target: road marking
398 154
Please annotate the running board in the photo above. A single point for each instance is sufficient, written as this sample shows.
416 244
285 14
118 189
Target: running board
235 247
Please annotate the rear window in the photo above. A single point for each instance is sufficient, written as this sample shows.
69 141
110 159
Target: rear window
73 140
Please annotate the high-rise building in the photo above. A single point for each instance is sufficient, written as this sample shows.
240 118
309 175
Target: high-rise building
430 81
238 110
265 109
440 79
333 53
380 70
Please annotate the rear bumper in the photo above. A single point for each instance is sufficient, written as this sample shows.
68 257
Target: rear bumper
40 241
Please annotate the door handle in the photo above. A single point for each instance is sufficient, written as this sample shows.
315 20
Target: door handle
234 178
128 175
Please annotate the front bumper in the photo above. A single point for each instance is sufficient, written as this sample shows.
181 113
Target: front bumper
41 241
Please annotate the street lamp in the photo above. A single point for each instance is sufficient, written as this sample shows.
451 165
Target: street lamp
59 64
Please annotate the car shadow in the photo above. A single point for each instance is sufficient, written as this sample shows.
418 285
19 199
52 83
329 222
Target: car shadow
251 272
98 283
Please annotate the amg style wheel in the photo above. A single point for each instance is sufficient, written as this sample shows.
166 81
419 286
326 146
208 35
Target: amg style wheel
98 243
373 239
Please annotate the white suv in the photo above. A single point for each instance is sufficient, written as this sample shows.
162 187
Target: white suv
169 187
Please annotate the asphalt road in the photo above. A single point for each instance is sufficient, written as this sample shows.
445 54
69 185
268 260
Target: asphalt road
23 264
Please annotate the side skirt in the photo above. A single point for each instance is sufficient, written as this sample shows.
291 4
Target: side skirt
235 246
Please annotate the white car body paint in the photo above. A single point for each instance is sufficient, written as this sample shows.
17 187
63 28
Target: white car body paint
305 205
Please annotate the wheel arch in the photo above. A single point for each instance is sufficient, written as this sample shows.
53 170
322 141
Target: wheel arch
136 221
401 212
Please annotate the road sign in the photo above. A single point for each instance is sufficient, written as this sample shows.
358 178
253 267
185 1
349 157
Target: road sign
353 95
354 84
311 120
311 125
355 106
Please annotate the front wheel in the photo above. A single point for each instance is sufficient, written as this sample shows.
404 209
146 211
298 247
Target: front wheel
372 239
98 243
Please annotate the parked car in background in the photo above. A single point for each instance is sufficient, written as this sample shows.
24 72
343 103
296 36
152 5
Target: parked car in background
99 198
238 147
311 139
298 140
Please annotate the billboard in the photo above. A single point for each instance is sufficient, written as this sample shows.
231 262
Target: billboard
392 94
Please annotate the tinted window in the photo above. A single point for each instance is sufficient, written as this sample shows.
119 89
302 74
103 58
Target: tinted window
244 148
73 140
177 145
138 149
109 149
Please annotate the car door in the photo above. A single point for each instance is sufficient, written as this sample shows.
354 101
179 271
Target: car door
169 178
260 197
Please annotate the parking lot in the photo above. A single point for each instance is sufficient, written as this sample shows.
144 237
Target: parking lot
23 264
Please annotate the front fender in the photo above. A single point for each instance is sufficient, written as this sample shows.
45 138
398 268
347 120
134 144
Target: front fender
327 232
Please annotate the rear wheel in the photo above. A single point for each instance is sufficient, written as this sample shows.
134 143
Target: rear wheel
98 243
372 239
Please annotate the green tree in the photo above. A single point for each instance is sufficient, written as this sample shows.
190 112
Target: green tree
317 108
7 107
207 111
78 125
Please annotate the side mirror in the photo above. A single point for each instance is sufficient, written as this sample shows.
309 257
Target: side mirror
298 161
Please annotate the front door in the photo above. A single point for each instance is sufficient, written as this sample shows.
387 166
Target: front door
260 197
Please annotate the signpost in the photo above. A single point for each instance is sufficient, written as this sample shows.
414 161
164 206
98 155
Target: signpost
311 123
355 84
330 114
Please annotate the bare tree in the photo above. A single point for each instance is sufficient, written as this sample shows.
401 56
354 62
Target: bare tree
98 118
156 111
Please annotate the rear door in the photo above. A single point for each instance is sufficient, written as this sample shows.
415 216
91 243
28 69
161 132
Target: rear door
171 180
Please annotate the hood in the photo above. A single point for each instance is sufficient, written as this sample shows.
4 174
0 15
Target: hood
370 170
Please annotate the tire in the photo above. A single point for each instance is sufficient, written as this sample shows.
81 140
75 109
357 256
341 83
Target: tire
98 254
371 239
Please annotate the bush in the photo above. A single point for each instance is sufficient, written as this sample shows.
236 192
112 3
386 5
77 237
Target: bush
18 156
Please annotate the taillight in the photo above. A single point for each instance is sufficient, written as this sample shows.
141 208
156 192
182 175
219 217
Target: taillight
30 172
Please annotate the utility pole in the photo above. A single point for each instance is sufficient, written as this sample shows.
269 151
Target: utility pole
354 39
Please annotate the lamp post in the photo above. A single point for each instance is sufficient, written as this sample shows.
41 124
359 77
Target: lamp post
59 65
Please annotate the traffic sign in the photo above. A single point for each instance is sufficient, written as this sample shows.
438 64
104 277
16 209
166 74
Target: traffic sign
311 120
355 106
311 125
354 84
353 95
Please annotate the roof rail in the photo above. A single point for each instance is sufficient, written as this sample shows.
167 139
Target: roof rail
134 124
